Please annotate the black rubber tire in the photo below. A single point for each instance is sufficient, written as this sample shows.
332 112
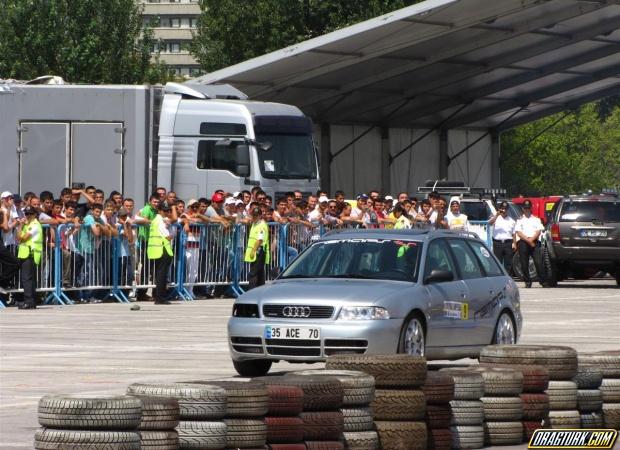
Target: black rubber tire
159 413
322 425
467 437
253 367
196 402
440 439
564 419
589 376
159 440
592 420
284 430
320 393
497 381
101 413
561 362
438 388
438 416
610 390
535 378
467 412
503 433
611 415
562 395
389 370
358 387
243 398
197 435
467 385
589 400
285 400
358 419
535 406
50 439
361 440
550 268
508 409
402 435
518 272
607 361
245 433
396 405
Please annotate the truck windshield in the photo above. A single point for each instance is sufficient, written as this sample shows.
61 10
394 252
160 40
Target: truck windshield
373 259
290 156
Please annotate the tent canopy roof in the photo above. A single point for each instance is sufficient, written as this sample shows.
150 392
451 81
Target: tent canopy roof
475 64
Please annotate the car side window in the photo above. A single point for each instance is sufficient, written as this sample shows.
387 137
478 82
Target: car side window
465 259
487 261
438 257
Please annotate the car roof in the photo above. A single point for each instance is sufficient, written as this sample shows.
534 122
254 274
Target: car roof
389 234
595 198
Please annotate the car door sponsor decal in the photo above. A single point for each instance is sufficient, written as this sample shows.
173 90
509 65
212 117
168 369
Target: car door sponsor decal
456 310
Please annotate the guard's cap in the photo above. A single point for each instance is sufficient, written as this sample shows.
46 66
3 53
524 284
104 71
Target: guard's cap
526 204
503 205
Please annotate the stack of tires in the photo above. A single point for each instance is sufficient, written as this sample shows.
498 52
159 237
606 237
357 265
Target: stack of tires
359 392
201 410
609 364
439 392
399 406
73 422
502 405
323 423
160 417
467 410
560 362
246 406
534 399
589 398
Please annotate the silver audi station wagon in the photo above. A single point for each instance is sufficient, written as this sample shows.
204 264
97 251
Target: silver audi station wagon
440 294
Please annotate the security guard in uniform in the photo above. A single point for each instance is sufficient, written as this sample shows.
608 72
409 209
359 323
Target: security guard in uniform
30 237
257 252
160 249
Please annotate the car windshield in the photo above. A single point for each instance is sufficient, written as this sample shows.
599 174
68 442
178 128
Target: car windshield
290 156
590 211
376 259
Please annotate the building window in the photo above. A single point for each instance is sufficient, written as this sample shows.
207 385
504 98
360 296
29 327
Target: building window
193 21
174 22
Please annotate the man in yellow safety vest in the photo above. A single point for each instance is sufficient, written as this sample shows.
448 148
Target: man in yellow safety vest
160 249
257 251
30 235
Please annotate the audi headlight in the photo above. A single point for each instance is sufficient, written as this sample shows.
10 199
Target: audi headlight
363 313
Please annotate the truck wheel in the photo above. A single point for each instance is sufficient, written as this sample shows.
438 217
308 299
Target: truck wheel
551 269
252 367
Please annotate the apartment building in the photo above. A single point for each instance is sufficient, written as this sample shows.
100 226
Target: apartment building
173 22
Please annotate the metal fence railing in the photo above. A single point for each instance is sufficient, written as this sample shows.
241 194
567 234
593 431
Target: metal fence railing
76 265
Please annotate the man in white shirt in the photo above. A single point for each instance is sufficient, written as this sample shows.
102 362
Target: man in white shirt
504 243
456 219
528 229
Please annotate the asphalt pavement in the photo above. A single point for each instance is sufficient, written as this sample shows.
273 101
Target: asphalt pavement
99 349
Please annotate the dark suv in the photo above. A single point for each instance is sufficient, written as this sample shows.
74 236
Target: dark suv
582 237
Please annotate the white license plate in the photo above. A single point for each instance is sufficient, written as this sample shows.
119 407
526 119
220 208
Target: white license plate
594 233
275 332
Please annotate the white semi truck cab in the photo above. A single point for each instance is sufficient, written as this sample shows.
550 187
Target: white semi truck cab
212 137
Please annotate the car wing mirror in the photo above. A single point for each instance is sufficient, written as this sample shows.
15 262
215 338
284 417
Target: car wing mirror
439 276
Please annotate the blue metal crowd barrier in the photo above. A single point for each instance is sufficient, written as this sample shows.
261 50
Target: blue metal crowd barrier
76 263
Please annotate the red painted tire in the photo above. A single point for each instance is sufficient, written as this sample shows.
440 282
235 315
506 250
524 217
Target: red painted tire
440 439
285 400
284 430
324 445
535 406
438 388
438 417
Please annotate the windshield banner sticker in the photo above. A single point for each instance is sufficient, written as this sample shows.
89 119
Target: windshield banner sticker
456 310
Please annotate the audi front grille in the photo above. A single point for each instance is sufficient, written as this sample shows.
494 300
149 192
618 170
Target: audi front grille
298 311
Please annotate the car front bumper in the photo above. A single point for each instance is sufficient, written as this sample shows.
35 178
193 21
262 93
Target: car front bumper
246 339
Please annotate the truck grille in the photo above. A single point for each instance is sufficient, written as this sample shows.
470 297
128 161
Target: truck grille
315 312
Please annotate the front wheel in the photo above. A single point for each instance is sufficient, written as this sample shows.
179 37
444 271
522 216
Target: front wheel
505 332
413 337
252 367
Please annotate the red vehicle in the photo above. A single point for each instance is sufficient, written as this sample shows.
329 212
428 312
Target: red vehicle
541 206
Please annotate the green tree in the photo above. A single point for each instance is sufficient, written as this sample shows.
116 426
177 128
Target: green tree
231 31
83 41
582 151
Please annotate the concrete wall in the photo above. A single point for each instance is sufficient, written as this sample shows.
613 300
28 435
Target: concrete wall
365 165
81 106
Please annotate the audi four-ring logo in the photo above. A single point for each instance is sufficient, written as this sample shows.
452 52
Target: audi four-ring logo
296 311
